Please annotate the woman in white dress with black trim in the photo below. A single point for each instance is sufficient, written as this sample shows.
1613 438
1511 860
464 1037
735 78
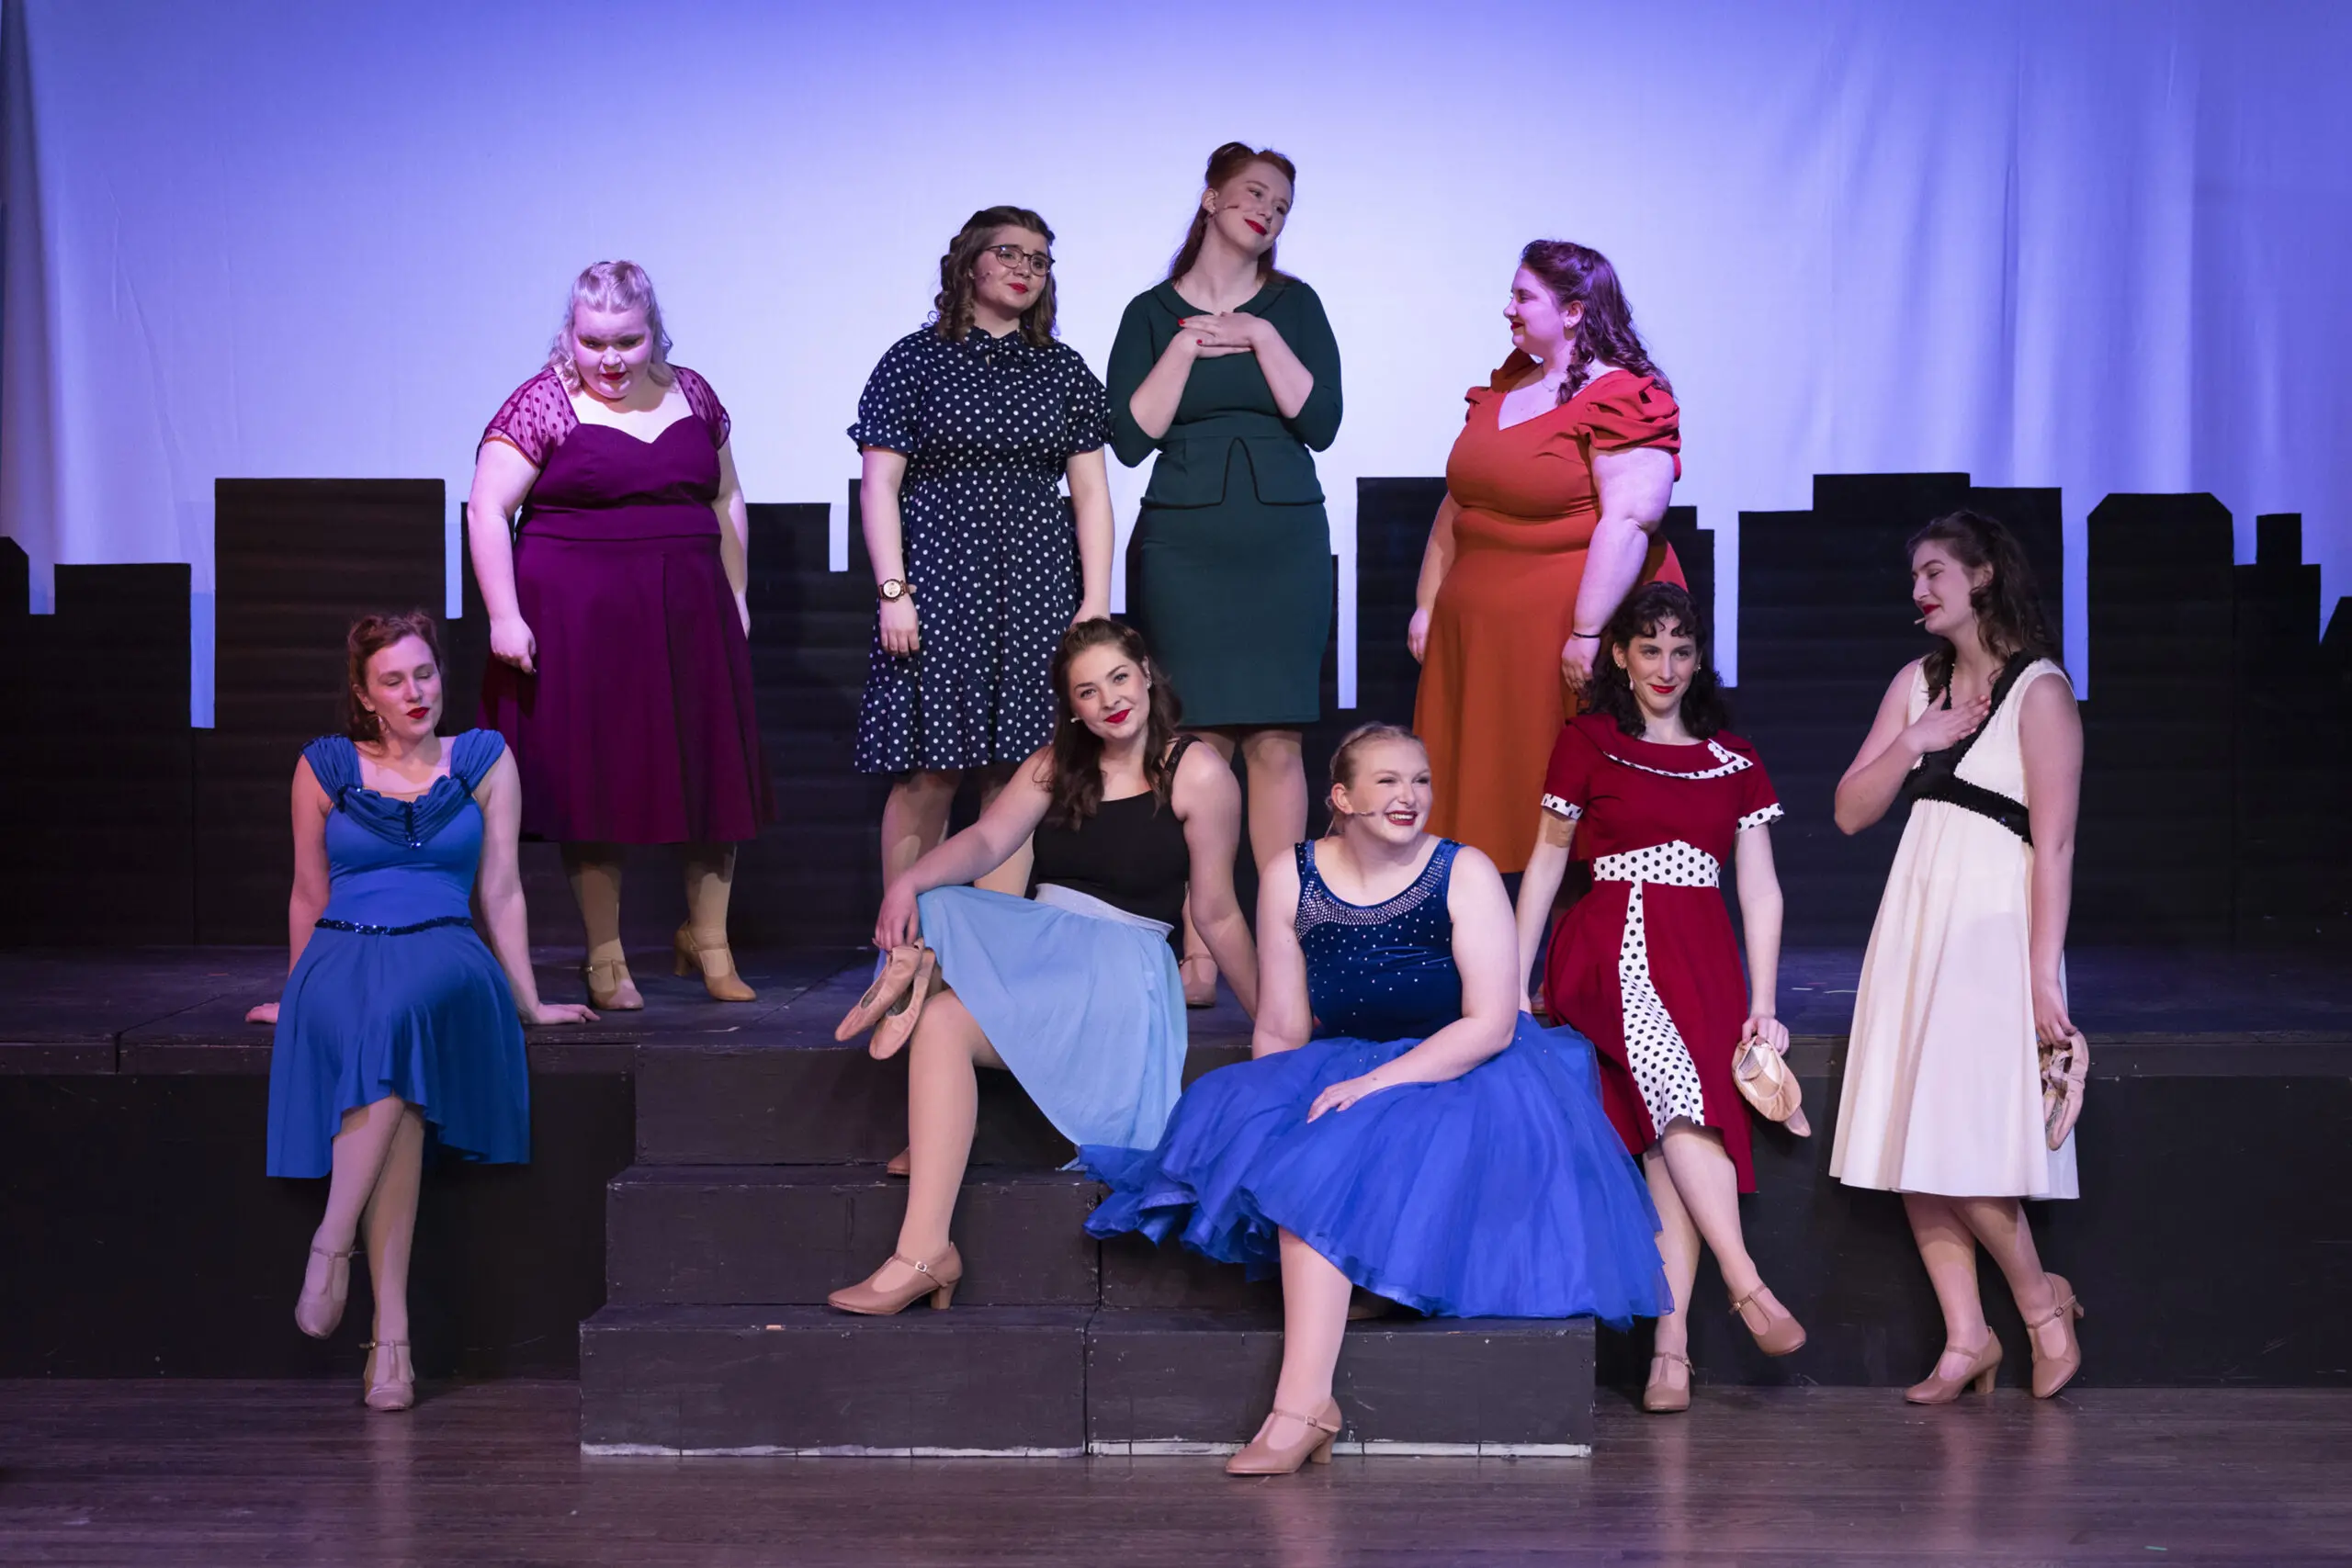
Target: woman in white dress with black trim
1965 973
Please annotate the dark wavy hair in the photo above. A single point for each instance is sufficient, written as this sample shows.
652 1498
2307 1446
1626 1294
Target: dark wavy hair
1610 691
952 307
1223 165
369 635
1578 275
2007 608
1075 790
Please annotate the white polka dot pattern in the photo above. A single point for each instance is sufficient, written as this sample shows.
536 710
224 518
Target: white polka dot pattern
1655 1051
1727 761
1762 815
989 425
1553 803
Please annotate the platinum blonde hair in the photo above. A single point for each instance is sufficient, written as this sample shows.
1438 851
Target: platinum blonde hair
611 287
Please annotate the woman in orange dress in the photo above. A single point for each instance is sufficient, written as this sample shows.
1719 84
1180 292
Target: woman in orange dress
1554 488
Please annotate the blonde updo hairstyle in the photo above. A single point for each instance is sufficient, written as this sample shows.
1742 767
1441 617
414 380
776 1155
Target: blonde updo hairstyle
611 287
1351 751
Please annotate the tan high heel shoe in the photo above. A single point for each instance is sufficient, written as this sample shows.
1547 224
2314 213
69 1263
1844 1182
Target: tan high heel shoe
715 964
1198 971
898 1026
902 1163
610 989
317 1315
1781 1335
1263 1458
397 1392
1661 1398
1983 1363
890 988
937 1279
2052 1373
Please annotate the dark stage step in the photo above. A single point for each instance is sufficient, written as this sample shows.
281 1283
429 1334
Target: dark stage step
806 1100
793 1234
1060 1380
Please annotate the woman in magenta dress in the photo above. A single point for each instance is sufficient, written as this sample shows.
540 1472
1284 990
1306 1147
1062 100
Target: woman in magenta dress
621 670
1650 788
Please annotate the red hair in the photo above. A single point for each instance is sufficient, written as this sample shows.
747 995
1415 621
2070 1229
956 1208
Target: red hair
370 635
1225 163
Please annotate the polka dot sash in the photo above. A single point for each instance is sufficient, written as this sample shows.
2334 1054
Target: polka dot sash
1661 1063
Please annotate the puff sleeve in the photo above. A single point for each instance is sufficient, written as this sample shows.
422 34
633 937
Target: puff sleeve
889 410
706 404
1759 802
534 420
1086 409
1567 782
1632 412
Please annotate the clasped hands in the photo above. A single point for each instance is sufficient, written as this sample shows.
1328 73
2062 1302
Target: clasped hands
1226 332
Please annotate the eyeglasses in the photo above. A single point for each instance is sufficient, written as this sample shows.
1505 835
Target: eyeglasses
1038 262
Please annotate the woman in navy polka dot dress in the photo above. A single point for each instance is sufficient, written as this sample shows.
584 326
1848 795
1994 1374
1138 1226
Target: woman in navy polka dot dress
1651 788
968 428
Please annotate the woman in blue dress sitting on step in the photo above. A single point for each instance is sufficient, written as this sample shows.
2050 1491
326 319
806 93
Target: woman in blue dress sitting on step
1403 1127
1074 989
395 1016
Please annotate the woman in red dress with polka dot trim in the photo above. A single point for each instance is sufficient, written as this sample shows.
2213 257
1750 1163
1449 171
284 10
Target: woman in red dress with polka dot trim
1651 789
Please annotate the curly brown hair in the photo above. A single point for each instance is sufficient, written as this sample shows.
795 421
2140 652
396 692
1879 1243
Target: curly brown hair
1578 275
1223 165
2007 608
1610 691
1075 788
369 635
952 307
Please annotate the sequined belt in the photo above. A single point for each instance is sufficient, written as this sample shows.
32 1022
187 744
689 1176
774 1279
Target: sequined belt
1672 865
433 924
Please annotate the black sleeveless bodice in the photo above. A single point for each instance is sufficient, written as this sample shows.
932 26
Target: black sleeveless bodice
1131 854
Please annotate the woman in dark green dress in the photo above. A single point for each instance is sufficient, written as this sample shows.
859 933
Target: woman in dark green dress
1229 372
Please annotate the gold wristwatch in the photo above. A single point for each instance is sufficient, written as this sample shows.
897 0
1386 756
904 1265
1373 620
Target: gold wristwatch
893 589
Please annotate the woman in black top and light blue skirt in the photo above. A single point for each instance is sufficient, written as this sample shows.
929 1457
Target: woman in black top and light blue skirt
1074 990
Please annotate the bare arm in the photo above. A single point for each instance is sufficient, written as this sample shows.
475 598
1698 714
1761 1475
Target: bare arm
1437 559
309 899
1634 488
498 893
1485 953
1090 498
1286 1021
1760 915
1208 798
1894 743
1003 827
2050 737
503 479
1547 864
734 535
880 475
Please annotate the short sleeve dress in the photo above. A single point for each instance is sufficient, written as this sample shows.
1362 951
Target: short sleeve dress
637 727
1645 963
1491 696
989 427
1229 569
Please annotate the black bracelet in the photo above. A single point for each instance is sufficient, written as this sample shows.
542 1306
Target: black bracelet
1588 637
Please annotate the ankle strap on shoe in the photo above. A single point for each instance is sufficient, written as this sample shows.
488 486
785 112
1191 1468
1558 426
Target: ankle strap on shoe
1317 1422
917 1264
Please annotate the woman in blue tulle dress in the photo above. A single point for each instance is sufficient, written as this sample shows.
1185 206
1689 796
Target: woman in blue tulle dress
395 1015
1403 1127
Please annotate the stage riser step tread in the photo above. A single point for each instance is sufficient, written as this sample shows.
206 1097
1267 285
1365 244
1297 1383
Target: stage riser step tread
1043 1380
793 1234
723 1236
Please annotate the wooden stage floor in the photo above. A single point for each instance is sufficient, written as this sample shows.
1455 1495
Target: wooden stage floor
187 1472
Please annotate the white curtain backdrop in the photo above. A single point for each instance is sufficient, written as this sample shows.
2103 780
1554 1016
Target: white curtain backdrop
2093 245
